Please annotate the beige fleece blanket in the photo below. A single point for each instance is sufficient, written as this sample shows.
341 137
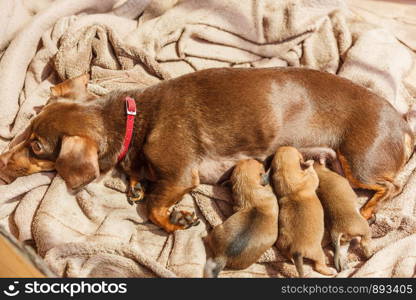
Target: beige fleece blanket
95 232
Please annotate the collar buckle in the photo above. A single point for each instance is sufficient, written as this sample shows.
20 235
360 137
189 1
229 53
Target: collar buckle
130 110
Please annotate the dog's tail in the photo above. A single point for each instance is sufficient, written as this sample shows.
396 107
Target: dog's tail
214 266
298 260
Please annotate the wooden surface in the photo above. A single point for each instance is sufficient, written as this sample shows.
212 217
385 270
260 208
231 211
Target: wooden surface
13 263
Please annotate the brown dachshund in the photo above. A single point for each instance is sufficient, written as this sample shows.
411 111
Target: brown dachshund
202 123
246 235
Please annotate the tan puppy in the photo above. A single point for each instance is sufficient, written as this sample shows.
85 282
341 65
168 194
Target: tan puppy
301 216
342 217
246 235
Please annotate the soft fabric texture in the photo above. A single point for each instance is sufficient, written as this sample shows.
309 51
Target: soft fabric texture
95 232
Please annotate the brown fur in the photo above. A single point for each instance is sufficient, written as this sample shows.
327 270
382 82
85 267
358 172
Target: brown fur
208 120
246 235
301 216
342 217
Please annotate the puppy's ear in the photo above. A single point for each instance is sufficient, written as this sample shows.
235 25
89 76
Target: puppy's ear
73 88
78 161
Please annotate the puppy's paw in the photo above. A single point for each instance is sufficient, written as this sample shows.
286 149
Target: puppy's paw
324 270
367 251
307 164
184 218
327 154
135 194
372 220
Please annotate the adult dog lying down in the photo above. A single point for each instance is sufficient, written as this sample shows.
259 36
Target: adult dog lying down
196 127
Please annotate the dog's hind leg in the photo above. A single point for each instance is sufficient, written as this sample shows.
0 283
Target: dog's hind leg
384 191
384 188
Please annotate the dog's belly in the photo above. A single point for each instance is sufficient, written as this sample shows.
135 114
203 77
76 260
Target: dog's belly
215 170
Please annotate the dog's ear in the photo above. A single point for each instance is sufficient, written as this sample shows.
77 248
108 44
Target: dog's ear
73 88
24 135
77 162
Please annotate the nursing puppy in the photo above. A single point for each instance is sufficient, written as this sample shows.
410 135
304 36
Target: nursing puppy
342 217
246 235
301 216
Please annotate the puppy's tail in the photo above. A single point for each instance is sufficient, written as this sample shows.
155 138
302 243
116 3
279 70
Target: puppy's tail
298 260
336 242
214 266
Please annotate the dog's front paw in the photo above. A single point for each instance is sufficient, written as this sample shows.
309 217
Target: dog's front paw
184 218
135 193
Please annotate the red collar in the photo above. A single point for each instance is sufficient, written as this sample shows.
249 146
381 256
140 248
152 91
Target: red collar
131 113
